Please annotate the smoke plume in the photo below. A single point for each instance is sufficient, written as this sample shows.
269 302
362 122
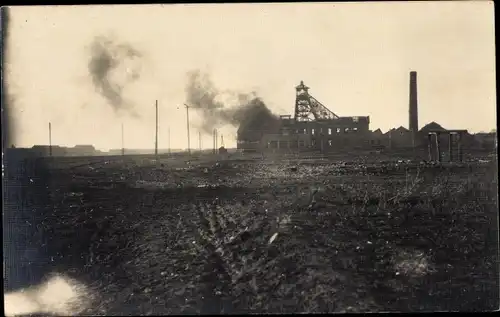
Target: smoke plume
250 113
112 67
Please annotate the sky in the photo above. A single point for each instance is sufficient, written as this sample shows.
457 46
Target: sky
355 57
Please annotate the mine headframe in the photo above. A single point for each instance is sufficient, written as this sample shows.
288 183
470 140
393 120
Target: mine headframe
307 108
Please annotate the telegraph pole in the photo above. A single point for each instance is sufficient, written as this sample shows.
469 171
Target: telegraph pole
50 139
213 140
390 139
187 118
123 142
169 147
199 140
216 140
156 134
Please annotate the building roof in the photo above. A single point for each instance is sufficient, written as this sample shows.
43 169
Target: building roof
402 129
432 126
485 135
45 146
389 131
83 146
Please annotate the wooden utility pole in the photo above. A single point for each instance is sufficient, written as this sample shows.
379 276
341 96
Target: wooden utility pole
169 147
50 139
216 140
199 140
156 134
214 136
390 139
189 138
123 142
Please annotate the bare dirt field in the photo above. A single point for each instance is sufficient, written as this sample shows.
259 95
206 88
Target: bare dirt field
251 236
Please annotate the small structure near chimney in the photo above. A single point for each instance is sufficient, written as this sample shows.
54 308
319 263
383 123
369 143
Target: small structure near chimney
454 136
222 150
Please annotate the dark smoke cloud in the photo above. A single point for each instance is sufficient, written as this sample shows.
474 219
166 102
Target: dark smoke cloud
249 114
108 62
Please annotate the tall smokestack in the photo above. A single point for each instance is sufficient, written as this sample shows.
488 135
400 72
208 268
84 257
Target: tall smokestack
413 124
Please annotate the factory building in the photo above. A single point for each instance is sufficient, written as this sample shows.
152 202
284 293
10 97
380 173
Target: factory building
56 151
313 128
316 128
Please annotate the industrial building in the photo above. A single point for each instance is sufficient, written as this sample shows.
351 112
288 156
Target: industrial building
314 127
57 151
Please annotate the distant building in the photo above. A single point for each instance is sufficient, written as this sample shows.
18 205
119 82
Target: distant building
45 150
313 127
433 126
398 138
56 150
285 142
82 150
422 138
222 150
377 140
486 141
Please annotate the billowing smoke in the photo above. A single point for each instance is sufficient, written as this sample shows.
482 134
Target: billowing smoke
113 66
250 114
253 117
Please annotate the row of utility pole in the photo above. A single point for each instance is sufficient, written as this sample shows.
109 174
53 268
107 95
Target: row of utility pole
156 132
215 135
189 134
199 135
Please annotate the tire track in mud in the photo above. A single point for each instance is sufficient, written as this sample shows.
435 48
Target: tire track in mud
216 278
227 246
179 247
259 276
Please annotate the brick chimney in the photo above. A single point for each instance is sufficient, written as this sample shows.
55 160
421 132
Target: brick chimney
413 115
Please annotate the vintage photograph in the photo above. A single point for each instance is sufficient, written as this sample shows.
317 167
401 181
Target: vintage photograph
249 158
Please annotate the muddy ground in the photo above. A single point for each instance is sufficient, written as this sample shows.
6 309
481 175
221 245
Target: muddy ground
239 236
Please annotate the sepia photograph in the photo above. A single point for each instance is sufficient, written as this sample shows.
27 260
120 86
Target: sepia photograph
249 158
